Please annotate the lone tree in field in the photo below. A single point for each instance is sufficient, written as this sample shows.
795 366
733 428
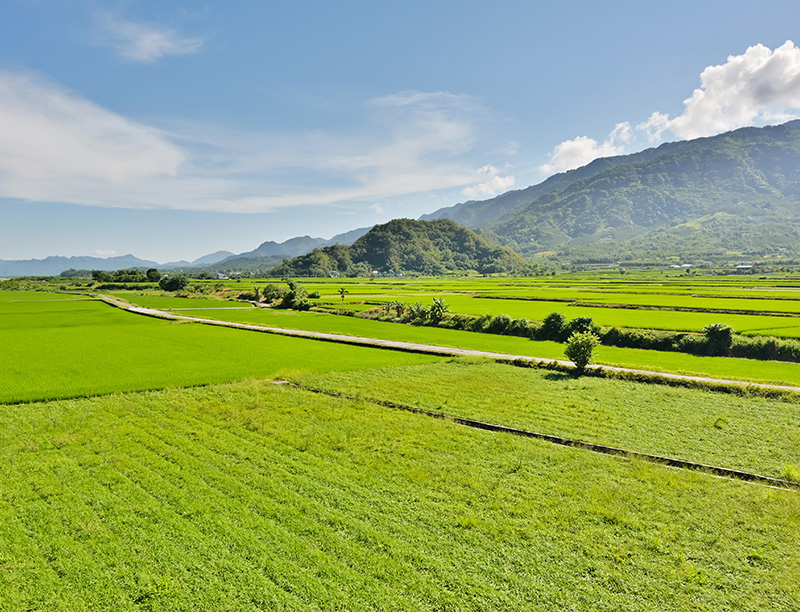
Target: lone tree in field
343 292
580 349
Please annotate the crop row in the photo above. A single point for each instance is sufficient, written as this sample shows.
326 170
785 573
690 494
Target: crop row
253 497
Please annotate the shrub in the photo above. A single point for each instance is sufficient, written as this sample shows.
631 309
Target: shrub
580 349
553 327
521 327
480 323
418 312
172 283
499 324
719 338
580 325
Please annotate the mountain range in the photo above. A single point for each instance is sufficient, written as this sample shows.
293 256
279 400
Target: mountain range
735 194
268 254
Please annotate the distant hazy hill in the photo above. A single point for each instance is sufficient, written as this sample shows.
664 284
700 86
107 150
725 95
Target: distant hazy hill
738 191
405 245
53 266
273 252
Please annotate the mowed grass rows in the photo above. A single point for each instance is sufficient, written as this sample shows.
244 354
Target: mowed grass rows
251 496
753 434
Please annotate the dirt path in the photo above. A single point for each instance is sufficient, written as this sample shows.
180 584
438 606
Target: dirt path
430 349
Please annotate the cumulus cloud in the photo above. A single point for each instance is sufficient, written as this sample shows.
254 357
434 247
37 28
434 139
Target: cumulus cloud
581 150
57 146
493 185
378 209
50 137
143 42
757 87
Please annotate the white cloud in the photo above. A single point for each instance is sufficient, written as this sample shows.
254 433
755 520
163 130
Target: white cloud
56 146
143 42
581 150
104 253
656 124
493 185
759 85
51 139
378 209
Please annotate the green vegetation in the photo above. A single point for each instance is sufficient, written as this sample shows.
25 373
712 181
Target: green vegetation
253 497
56 348
721 367
579 349
405 245
691 199
746 433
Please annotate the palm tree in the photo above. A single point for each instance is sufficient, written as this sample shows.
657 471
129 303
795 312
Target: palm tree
343 292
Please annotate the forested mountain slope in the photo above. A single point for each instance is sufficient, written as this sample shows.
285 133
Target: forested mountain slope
736 192
405 245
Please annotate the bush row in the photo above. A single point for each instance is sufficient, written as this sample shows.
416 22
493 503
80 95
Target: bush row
717 339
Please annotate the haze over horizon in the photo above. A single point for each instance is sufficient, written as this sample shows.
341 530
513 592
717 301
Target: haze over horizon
170 131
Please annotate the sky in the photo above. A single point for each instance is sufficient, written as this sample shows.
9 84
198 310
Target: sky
171 130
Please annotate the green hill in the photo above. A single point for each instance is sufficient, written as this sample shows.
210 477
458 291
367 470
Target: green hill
737 193
405 245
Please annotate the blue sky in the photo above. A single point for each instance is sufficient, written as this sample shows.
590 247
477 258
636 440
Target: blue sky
170 130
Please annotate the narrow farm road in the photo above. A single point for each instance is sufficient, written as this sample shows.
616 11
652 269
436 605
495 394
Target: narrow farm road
430 349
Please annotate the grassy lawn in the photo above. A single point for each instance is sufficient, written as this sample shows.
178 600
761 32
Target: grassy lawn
250 496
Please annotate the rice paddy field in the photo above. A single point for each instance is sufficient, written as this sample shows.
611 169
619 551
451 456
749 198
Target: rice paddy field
59 348
154 465
722 367
751 306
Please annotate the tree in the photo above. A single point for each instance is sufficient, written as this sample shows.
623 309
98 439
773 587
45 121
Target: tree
719 338
437 310
101 276
153 275
296 298
173 283
580 349
580 324
342 292
553 327
418 312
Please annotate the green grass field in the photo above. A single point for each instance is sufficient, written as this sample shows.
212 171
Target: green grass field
250 495
254 497
68 348
745 433
721 367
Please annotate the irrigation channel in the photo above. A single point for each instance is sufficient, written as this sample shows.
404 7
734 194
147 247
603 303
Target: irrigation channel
504 357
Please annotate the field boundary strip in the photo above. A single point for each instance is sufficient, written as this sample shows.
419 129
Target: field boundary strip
649 376
653 307
603 449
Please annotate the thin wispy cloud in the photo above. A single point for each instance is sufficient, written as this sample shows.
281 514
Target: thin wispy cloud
143 42
493 183
57 146
51 138
757 87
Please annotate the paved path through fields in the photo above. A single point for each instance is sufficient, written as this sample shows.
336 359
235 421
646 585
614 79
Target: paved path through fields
431 349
